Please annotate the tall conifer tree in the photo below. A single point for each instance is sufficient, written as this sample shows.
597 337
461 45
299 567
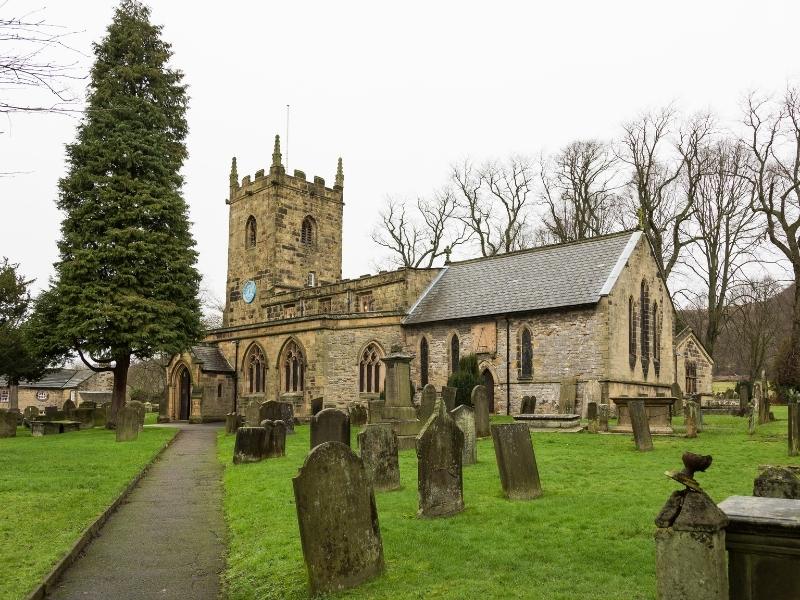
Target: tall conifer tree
126 283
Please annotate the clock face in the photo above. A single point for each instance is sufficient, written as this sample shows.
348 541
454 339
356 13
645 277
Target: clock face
249 291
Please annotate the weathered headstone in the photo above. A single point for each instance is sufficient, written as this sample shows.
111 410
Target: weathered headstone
338 519
84 416
439 469
279 411
99 416
794 427
640 425
690 416
567 393
378 444
127 424
449 397
8 423
777 482
358 415
30 413
252 414
528 406
592 416
465 419
68 407
140 413
50 412
316 405
232 422
516 462
428 402
330 425
274 438
480 403
88 404
249 445
751 418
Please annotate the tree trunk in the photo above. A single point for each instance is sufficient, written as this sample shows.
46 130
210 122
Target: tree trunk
13 396
123 363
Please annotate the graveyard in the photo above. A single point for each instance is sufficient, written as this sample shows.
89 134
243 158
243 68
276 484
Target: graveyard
589 535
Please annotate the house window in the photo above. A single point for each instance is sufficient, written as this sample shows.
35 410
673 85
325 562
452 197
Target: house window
250 232
256 372
307 232
644 315
293 368
369 370
324 305
423 361
454 353
4 396
656 340
365 302
631 332
219 390
691 377
311 279
525 356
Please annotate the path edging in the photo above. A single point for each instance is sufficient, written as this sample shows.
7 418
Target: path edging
40 591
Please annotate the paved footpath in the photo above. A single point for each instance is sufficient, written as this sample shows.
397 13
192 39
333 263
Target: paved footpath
168 539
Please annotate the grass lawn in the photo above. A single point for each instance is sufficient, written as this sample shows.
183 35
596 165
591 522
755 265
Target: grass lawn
52 488
589 536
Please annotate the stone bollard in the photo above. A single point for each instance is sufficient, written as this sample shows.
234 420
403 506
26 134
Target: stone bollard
690 540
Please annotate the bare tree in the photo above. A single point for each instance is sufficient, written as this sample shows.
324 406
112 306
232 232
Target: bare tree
494 203
150 376
213 309
418 240
579 186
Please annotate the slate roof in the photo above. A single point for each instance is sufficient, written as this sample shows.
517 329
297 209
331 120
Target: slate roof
557 276
211 359
60 379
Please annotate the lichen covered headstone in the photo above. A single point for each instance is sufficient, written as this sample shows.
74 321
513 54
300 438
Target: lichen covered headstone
273 410
68 407
249 445
8 423
252 414
127 429
640 424
690 414
274 438
330 425
140 412
778 482
465 419
516 461
439 465
567 394
427 402
358 415
338 519
379 453
84 416
480 404
232 422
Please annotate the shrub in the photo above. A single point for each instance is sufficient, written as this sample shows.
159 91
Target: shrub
139 395
465 379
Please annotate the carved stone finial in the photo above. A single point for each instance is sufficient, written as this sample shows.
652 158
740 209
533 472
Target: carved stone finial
276 152
691 464
339 182
447 252
234 174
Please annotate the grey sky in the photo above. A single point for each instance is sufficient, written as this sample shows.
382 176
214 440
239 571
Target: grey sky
399 91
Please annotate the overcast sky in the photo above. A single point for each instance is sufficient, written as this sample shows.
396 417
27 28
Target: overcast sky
399 90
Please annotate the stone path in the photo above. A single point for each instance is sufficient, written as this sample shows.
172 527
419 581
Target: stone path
168 540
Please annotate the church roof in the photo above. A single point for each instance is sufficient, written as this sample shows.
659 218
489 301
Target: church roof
211 359
59 379
557 276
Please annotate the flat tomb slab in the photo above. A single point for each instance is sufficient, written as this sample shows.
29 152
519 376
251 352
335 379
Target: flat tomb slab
551 422
658 409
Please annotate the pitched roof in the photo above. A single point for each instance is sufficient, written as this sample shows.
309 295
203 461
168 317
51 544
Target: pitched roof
60 379
542 278
211 359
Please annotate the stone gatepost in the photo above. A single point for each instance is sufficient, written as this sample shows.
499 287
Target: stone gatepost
690 540
398 408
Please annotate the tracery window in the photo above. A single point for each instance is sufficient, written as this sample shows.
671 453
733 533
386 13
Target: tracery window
454 353
423 361
307 231
256 371
365 302
293 368
691 377
631 332
525 354
369 368
656 340
250 232
644 314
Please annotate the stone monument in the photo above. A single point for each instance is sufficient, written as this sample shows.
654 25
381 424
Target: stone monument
778 482
440 447
378 445
330 425
427 402
567 394
690 411
8 423
249 445
449 397
480 404
127 424
641 426
274 438
398 408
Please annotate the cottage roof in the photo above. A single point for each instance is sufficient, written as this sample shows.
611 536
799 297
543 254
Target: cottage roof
211 359
557 276
60 379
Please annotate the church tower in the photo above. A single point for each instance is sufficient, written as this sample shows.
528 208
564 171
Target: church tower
284 234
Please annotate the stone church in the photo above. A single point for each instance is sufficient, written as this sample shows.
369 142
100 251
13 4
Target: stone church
295 330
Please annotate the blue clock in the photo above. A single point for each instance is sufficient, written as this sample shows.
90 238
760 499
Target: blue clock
249 291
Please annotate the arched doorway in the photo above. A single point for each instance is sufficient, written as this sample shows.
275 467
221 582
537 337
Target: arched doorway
184 393
488 382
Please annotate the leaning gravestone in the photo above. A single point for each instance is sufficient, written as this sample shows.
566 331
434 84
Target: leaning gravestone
274 438
139 412
480 404
249 445
358 415
127 424
338 520
465 419
316 405
330 425
440 446
427 403
567 394
528 405
8 423
641 425
516 462
69 408
449 397
778 482
378 444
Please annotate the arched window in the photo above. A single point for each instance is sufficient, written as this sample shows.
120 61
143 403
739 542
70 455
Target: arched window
631 332
293 368
644 315
256 371
454 352
525 356
250 232
219 390
691 377
369 370
307 232
423 361
656 340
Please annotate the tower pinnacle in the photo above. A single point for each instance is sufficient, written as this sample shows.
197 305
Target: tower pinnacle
339 182
276 152
234 174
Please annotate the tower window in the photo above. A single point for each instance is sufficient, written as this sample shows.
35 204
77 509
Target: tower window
691 377
250 232
631 332
307 232
656 340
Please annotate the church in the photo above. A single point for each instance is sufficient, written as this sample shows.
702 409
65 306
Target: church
595 311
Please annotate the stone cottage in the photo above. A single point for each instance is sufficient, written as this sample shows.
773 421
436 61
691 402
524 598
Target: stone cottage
295 330
693 366
57 387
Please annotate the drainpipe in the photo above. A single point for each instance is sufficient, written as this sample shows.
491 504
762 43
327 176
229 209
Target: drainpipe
236 379
508 366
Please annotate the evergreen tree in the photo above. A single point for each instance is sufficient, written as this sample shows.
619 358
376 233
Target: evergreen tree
126 283
465 379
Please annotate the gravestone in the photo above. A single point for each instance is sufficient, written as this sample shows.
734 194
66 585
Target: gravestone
316 405
139 407
676 391
127 424
690 415
8 423
528 406
440 446
279 411
69 408
30 413
428 402
449 397
88 404
232 422
274 438
480 404
358 415
465 419
378 444
338 519
794 427
50 412
640 425
375 410
592 415
777 482
40 428
252 414
567 393
249 445
99 416
84 416
516 462
330 425
751 419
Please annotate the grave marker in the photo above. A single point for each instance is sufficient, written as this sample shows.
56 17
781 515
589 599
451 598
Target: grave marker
330 425
8 423
640 425
139 407
449 397
528 406
69 408
439 469
465 419
378 444
274 438
516 461
427 402
249 445
480 404
358 415
567 393
127 424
